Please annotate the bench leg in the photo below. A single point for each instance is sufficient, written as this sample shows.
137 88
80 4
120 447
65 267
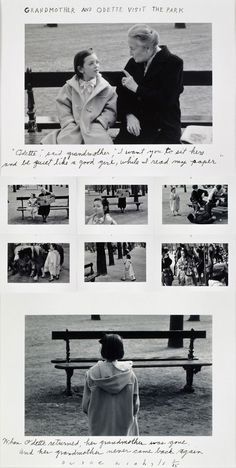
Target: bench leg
188 388
69 373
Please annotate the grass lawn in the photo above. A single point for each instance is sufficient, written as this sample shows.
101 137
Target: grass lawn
164 410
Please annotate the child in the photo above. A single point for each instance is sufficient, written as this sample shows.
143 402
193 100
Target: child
174 202
86 105
110 397
100 215
129 270
33 205
52 263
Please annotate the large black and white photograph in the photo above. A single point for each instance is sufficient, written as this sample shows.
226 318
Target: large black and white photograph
195 264
122 84
38 263
118 375
116 204
195 204
38 204
106 262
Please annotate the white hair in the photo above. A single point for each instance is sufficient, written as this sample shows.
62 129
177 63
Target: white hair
145 34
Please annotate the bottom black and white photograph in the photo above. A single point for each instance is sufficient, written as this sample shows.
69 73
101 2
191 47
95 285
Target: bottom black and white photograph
118 375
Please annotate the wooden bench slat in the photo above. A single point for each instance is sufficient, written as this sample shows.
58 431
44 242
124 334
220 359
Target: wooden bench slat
129 334
57 79
138 364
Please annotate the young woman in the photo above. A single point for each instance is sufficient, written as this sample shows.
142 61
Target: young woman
100 215
86 105
110 397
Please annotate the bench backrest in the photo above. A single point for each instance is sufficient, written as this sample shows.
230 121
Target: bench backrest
129 334
57 79
57 197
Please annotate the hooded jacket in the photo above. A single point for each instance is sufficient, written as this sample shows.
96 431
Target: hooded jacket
84 121
111 399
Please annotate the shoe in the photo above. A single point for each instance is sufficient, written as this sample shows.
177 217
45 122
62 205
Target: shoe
50 280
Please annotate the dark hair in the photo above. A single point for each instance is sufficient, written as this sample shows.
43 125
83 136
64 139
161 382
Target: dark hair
79 60
128 255
195 187
219 187
97 199
112 347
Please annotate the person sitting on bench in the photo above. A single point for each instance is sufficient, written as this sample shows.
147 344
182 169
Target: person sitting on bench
110 397
148 95
86 105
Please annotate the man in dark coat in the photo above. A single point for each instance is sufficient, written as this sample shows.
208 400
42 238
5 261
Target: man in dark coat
148 95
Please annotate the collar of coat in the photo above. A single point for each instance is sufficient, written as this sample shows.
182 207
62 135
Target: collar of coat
101 85
160 57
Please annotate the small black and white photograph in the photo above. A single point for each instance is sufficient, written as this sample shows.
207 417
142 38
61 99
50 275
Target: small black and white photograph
107 262
194 265
38 204
122 84
38 263
118 375
195 204
116 204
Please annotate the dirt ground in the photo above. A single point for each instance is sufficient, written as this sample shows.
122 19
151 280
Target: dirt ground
164 409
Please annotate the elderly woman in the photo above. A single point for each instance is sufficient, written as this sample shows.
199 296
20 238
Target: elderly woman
148 96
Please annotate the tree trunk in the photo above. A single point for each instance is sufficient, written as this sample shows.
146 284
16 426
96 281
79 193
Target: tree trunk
101 258
119 249
180 25
176 323
110 253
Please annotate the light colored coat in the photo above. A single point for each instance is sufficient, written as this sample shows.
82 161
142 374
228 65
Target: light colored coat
84 121
111 399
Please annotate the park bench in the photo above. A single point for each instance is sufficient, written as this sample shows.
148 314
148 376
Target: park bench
220 210
34 80
130 202
89 274
24 208
190 363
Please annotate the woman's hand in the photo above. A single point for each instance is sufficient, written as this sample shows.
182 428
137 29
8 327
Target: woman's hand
133 125
129 82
